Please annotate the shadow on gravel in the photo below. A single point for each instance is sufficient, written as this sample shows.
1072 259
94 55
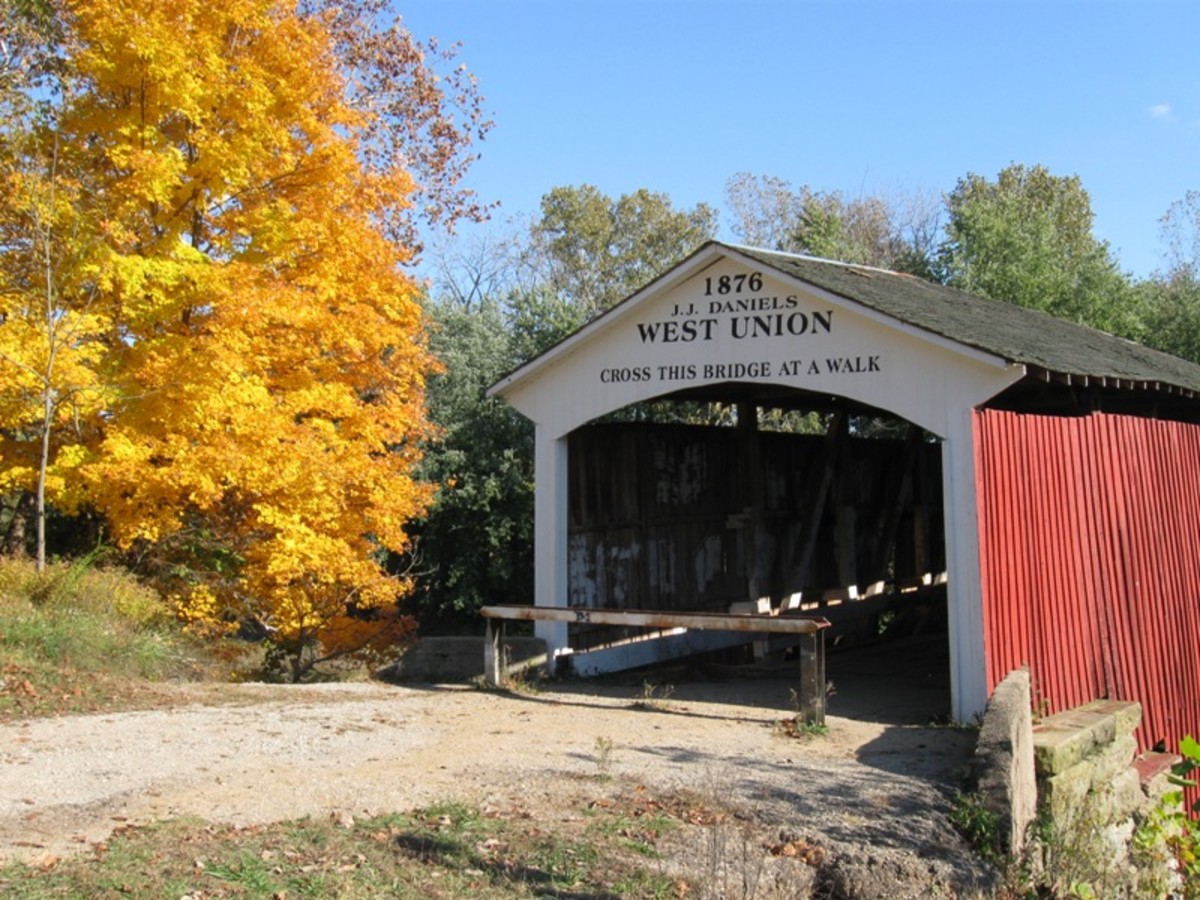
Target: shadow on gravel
941 754
845 803
903 682
903 685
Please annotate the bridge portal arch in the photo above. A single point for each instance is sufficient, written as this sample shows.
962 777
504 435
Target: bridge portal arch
733 324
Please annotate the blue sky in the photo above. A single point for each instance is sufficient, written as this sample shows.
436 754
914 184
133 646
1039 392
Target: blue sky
862 97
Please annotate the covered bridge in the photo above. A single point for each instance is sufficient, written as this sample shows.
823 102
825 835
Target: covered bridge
1046 473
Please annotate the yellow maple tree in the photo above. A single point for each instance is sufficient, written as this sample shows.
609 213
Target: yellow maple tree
262 359
51 342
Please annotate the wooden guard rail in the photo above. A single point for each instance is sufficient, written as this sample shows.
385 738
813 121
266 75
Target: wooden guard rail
810 630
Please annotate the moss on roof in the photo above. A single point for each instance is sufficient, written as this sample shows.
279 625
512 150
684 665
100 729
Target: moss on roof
1011 332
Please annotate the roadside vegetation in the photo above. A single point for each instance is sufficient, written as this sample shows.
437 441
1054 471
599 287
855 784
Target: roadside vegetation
89 638
442 851
84 638
610 844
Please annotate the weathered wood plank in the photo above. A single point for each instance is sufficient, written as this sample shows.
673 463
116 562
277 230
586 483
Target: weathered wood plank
494 669
812 679
647 618
811 630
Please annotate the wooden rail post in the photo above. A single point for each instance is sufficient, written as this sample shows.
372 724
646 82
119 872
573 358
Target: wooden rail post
812 678
494 669
810 630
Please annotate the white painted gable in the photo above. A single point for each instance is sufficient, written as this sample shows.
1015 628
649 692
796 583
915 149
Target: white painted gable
722 317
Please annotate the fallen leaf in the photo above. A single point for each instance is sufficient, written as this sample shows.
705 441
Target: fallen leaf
798 849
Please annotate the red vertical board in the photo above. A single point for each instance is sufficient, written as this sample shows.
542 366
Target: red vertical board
1090 560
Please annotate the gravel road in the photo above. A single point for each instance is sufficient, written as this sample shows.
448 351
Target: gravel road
876 793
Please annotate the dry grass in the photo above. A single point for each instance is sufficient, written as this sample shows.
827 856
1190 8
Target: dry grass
84 639
446 851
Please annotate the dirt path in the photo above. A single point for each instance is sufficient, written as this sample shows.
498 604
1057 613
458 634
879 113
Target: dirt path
353 750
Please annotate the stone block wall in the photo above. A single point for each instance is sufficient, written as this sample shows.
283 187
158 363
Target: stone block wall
1076 769
1004 759
458 659
1085 764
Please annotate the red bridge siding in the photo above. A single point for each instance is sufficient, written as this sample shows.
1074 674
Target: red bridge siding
1090 558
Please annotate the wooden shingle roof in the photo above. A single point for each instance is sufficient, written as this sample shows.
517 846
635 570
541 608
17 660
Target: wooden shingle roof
1055 347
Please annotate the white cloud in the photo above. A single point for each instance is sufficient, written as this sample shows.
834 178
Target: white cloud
1160 111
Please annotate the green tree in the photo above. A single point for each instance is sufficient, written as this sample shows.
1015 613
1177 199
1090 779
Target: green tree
1179 229
498 303
1171 297
1171 312
595 251
475 544
1026 238
897 232
868 231
765 210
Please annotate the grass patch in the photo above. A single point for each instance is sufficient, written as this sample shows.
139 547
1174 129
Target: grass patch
654 696
445 851
84 639
640 820
639 832
796 727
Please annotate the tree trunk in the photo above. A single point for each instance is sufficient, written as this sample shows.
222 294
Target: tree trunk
43 465
15 538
